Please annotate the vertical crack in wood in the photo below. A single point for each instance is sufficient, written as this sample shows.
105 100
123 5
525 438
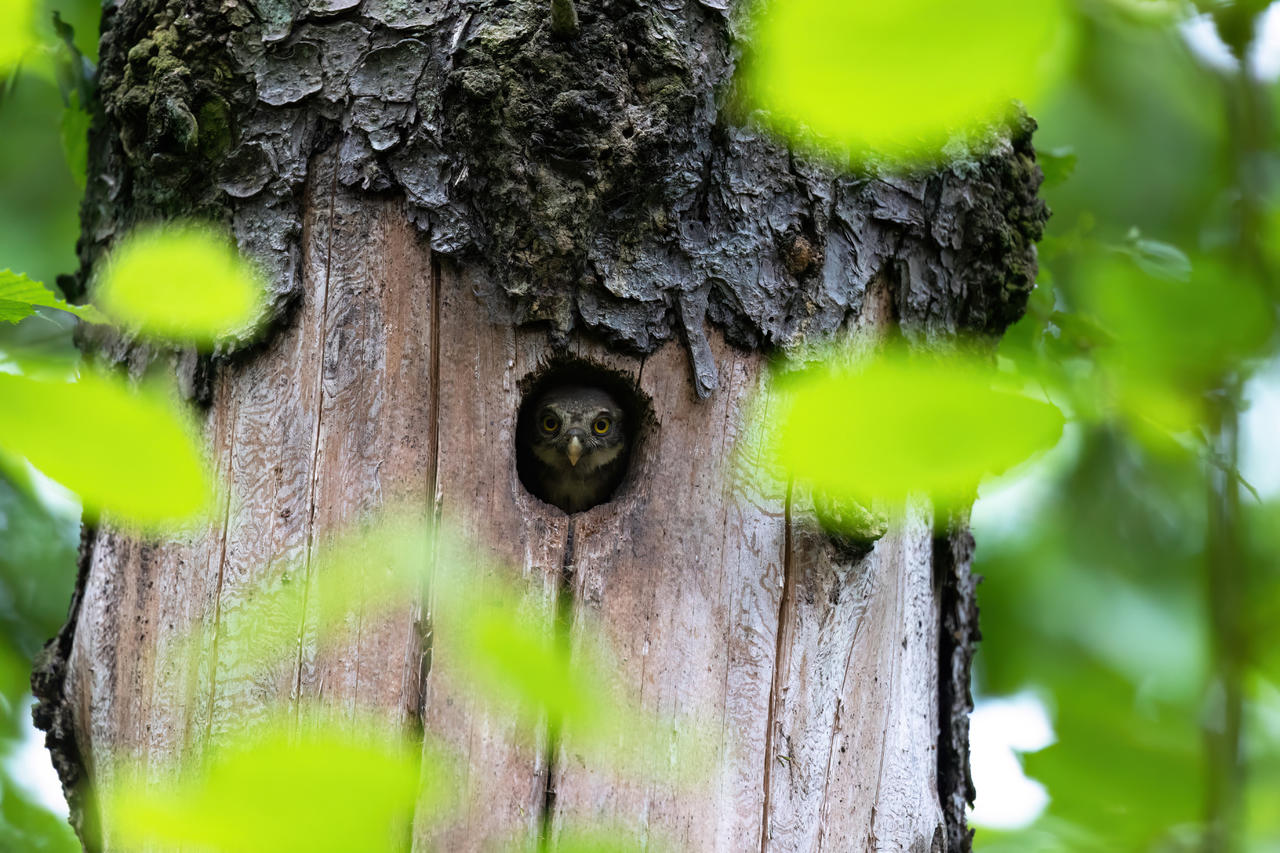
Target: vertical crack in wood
425 632
780 661
562 628
315 438
217 589
958 633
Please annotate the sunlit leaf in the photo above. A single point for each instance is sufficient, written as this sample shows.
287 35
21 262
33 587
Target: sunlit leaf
183 282
20 296
901 424
128 453
900 78
17 35
492 639
516 655
331 787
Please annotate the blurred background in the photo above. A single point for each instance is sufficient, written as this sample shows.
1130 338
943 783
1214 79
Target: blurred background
1128 681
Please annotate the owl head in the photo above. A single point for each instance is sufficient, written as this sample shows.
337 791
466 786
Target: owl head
577 430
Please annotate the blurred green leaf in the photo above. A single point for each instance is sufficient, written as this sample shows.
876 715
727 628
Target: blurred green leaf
1057 164
1126 766
74 130
902 78
39 199
1158 259
501 641
320 786
29 827
904 423
128 453
603 840
1175 335
20 296
37 563
1046 835
183 282
18 35
515 656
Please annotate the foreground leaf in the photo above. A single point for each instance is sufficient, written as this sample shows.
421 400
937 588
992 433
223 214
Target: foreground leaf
899 78
18 34
334 787
182 282
20 296
120 451
902 424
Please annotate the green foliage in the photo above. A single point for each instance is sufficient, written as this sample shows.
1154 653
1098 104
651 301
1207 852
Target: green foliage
74 130
20 297
37 549
897 81
140 459
18 35
183 282
309 786
906 424
1057 165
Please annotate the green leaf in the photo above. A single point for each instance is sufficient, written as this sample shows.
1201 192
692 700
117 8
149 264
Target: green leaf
74 129
1057 164
1178 334
18 34
515 654
183 282
333 787
124 452
900 78
1162 260
900 424
20 296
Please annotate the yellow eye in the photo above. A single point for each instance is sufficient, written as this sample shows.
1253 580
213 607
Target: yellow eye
550 423
601 426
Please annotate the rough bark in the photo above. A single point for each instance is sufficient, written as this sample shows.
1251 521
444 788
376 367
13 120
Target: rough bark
447 196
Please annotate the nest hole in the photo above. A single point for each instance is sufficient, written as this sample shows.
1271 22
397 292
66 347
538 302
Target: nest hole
541 454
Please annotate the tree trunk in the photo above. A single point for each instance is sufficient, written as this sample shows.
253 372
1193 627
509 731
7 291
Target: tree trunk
449 197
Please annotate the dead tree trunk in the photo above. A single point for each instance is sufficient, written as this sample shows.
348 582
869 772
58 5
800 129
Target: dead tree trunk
448 197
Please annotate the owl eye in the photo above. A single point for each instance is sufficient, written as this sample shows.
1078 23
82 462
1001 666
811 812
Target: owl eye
550 423
601 426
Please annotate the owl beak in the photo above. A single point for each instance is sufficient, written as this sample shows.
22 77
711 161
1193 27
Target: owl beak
575 449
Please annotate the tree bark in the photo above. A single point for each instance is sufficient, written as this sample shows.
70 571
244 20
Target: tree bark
448 197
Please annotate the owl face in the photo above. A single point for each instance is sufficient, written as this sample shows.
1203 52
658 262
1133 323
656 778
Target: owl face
577 430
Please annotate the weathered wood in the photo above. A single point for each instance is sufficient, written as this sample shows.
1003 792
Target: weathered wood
814 678
479 497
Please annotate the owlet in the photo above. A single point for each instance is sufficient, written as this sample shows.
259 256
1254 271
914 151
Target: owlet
576 445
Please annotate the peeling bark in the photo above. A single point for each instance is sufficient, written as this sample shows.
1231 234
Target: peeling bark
606 183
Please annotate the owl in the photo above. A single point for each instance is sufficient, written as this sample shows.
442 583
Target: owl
575 445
